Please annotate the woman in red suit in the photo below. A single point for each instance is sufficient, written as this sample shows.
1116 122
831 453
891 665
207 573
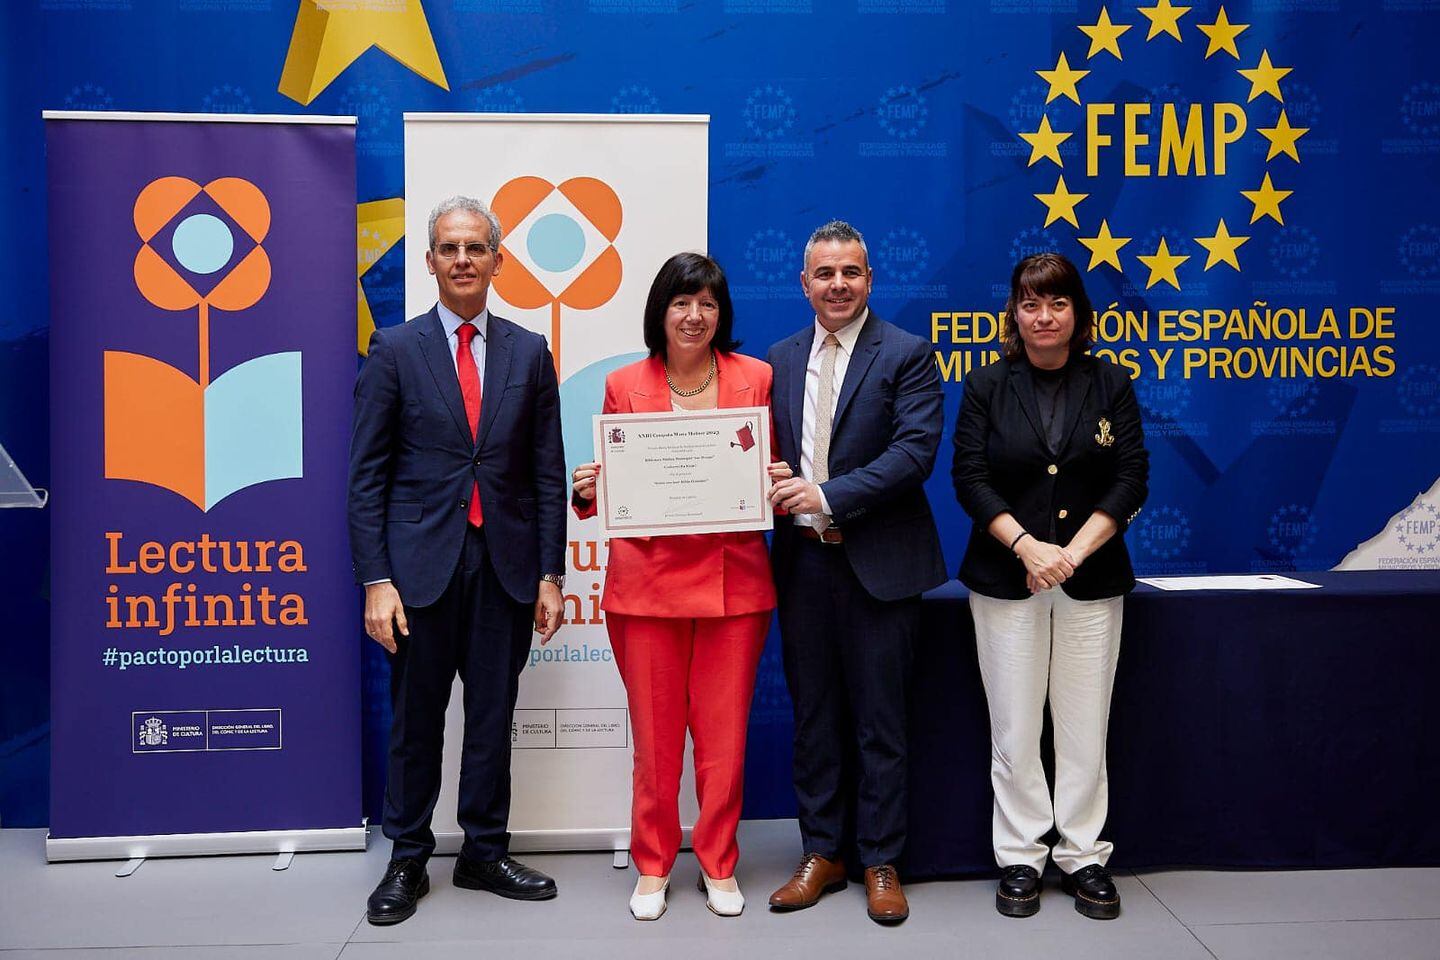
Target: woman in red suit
687 614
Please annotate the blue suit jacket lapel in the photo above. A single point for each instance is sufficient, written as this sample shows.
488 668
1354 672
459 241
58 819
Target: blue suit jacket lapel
867 348
499 347
435 347
799 360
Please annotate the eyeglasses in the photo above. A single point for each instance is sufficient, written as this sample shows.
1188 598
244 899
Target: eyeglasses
473 251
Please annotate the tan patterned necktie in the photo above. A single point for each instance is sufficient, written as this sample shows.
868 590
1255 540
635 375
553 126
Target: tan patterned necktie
824 418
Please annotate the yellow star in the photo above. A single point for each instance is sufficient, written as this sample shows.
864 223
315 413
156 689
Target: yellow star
1282 138
1062 80
1222 34
1045 143
1060 205
1264 78
1162 264
1266 200
1104 248
379 226
1104 35
326 41
1222 247
1163 19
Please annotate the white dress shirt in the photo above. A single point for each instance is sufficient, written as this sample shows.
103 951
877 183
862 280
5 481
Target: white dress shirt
847 335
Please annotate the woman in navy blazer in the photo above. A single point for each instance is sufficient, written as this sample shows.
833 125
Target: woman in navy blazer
1050 464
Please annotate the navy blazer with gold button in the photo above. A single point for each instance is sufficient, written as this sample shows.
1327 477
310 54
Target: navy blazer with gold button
1003 463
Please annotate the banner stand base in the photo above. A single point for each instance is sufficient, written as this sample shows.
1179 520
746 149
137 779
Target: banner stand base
204 844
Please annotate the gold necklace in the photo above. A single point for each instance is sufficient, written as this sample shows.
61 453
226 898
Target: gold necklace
698 390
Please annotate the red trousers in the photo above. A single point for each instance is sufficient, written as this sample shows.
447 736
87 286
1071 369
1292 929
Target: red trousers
698 674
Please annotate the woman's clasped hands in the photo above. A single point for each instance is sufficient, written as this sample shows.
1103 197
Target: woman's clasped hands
1046 564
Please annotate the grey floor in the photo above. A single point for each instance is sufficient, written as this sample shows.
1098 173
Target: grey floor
237 908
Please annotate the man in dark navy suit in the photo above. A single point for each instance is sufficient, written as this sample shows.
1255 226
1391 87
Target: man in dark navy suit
857 404
457 531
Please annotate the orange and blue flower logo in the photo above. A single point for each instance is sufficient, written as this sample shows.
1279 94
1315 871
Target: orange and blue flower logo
202 248
561 248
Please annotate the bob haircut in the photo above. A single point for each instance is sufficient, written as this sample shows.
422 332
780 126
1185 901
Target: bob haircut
1048 274
687 273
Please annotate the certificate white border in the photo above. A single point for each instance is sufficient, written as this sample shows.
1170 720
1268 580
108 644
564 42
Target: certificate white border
603 423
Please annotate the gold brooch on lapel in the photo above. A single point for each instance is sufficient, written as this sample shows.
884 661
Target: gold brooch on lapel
1105 438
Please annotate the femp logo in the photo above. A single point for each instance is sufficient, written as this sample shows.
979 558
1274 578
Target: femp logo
1303 109
374 134
769 117
902 262
1417 252
1417 528
1166 406
501 98
89 96
1290 533
226 98
1294 403
1294 252
634 98
769 112
903 116
1163 539
1293 398
772 267
1026 108
1419 121
1419 390
1420 109
1142 132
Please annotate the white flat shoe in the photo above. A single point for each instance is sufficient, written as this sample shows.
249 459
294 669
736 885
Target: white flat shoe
648 906
722 903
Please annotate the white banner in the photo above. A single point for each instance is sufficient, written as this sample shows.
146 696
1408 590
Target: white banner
591 206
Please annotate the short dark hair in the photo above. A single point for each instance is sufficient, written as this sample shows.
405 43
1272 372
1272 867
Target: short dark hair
687 273
836 231
1052 275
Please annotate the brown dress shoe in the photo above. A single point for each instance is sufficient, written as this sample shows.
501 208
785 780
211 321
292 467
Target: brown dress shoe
815 876
885 901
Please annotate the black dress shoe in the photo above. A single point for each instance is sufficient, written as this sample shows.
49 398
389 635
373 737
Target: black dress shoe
507 877
404 883
1018 894
1094 891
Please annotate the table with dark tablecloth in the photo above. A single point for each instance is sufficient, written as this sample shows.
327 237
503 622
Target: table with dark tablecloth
1274 728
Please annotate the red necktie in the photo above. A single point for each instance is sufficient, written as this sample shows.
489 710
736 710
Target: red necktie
470 390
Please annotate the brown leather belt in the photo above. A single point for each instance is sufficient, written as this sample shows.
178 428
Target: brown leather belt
831 534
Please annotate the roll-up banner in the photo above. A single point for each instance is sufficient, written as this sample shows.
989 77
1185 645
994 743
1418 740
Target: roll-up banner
591 206
205 675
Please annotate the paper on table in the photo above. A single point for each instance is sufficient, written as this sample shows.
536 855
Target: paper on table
1260 581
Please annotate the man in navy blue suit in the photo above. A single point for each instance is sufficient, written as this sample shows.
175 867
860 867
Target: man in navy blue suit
857 404
457 531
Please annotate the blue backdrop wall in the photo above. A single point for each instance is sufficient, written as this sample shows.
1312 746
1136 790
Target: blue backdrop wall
1252 187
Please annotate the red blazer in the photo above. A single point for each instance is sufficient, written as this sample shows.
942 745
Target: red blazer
689 575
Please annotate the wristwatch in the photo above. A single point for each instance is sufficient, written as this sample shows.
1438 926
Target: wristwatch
556 578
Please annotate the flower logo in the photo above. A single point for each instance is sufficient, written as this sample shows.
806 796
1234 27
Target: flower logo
562 248
202 245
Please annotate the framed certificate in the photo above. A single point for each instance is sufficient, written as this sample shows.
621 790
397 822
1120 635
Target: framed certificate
686 471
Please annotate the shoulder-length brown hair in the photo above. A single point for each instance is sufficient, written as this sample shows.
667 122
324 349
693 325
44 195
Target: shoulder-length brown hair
1048 274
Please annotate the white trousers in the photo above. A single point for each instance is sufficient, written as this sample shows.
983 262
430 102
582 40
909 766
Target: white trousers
1068 648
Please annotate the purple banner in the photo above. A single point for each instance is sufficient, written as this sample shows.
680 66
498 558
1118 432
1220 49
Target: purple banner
205 660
